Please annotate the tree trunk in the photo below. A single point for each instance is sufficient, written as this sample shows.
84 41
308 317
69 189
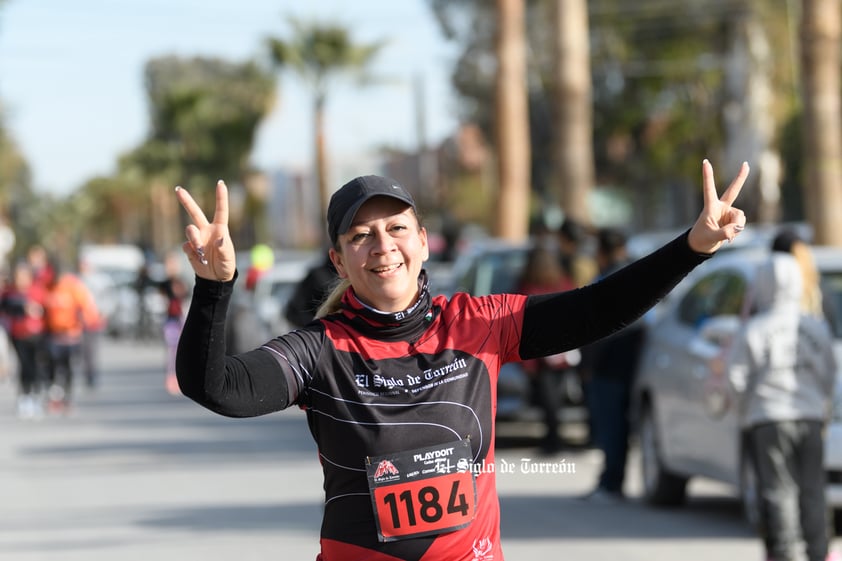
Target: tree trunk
748 117
164 217
512 117
573 109
820 44
321 159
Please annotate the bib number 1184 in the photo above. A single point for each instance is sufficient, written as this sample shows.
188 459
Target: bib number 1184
425 506
424 491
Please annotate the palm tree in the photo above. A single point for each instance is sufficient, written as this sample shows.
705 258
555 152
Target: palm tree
512 118
319 53
820 43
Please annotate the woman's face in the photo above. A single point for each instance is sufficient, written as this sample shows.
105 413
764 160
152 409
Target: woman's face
382 254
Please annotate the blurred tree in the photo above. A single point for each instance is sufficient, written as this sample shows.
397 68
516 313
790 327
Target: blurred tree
822 148
204 118
146 176
112 209
19 204
658 75
512 133
320 53
658 79
792 152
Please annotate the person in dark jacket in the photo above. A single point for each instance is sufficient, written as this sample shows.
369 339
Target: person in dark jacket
609 366
310 292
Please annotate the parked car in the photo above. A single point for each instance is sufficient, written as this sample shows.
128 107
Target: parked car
829 262
276 286
493 266
686 419
257 315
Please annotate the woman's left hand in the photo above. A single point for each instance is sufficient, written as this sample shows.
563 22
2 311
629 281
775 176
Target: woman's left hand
209 247
719 221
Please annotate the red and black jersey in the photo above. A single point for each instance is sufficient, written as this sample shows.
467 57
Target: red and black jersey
368 397
409 387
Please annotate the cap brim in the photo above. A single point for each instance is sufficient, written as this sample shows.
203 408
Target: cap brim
351 213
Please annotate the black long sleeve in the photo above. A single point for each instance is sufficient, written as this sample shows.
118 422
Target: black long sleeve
558 322
245 385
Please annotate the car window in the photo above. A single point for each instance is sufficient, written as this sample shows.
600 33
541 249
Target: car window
717 294
493 273
509 267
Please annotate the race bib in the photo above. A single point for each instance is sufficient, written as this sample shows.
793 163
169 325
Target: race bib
421 492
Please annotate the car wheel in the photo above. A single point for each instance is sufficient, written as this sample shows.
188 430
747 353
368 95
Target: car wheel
749 495
660 486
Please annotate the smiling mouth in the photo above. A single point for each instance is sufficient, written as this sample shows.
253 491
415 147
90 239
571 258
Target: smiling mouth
387 268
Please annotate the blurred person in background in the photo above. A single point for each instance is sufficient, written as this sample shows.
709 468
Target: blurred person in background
576 262
39 262
143 284
97 284
542 274
310 292
394 379
22 314
608 366
782 366
175 290
262 257
787 240
69 311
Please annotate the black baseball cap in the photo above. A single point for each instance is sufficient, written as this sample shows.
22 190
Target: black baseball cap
345 202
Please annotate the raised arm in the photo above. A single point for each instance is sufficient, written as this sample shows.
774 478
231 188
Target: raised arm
558 322
252 383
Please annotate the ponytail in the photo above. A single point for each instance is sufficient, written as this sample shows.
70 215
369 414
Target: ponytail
331 303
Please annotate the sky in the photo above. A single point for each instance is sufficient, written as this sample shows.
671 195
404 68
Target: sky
71 78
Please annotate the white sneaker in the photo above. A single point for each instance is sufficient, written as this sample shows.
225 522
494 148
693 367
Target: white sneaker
37 407
26 407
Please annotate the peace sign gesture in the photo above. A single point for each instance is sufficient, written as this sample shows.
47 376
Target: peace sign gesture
719 221
209 247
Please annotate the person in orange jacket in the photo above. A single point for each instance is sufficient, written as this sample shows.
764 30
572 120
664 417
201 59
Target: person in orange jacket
69 311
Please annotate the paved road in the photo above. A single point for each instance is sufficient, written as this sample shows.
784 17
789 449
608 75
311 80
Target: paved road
137 474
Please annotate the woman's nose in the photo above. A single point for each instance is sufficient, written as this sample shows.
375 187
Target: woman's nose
383 243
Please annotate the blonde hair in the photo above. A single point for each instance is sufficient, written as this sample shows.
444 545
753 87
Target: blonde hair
331 302
811 298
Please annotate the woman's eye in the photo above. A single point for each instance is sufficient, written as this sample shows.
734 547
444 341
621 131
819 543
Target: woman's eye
361 236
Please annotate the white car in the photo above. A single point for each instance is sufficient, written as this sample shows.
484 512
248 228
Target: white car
684 415
829 262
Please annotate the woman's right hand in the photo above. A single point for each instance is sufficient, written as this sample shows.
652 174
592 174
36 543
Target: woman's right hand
209 247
